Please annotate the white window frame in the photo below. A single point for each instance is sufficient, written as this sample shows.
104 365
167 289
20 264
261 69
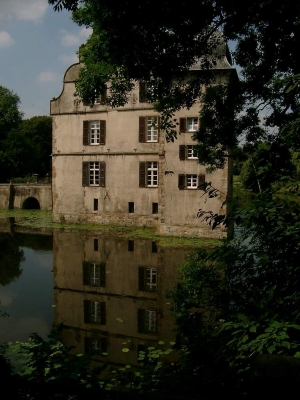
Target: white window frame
192 124
152 173
94 132
95 311
94 173
191 181
94 274
151 277
150 320
191 153
151 129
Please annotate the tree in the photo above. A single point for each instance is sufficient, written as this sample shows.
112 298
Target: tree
29 147
10 116
157 43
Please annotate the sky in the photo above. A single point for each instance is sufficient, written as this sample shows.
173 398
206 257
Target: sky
37 45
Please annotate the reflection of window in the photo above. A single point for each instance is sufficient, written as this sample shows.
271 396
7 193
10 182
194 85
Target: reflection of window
94 132
147 279
130 245
191 181
148 174
154 247
188 124
96 244
94 274
93 173
131 207
96 203
96 345
147 321
148 129
94 312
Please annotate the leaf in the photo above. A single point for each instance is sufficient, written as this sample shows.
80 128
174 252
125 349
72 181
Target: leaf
271 349
125 350
161 342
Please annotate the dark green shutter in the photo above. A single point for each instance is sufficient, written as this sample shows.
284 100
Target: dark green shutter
103 313
142 129
142 174
103 96
182 125
86 311
181 181
86 125
102 275
85 173
102 132
102 174
86 273
182 152
201 182
141 277
142 92
158 129
141 321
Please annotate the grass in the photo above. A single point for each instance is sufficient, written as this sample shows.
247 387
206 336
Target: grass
42 219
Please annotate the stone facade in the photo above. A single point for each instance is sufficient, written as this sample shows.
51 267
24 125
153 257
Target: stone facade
121 176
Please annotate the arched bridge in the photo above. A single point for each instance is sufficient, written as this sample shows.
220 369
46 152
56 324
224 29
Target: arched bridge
26 196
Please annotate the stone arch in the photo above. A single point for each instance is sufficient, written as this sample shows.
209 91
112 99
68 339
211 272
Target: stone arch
31 203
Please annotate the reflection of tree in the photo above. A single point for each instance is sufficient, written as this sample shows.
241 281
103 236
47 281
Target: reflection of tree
10 258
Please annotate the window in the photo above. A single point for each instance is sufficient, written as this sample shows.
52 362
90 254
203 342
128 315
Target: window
147 279
96 204
94 312
142 92
94 274
148 174
154 208
96 345
188 124
96 244
130 245
93 173
187 152
147 321
148 129
154 247
102 98
191 181
131 207
94 132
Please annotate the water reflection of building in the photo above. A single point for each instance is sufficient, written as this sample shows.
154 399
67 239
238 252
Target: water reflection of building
110 293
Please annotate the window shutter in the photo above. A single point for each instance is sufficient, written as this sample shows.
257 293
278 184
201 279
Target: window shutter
142 174
182 125
141 321
85 173
201 182
102 275
86 125
102 174
102 132
86 311
181 181
141 278
142 129
158 129
182 152
103 96
86 273
142 92
103 313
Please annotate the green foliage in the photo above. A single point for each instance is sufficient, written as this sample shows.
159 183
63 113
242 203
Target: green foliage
44 369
